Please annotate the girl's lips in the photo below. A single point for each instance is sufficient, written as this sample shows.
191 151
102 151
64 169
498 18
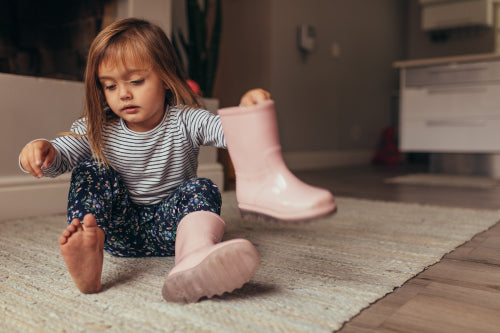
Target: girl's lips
130 109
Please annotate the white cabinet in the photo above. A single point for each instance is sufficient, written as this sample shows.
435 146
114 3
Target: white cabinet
452 106
447 14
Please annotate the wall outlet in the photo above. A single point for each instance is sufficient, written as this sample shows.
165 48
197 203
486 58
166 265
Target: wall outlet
335 50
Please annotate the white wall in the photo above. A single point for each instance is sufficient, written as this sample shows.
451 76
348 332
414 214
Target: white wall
156 11
341 103
331 110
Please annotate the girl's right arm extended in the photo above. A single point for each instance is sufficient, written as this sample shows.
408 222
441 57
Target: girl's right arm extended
52 158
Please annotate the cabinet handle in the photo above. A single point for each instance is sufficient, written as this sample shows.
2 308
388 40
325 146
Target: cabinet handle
457 69
456 123
454 90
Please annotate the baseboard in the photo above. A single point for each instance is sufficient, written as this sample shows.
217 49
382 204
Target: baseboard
25 196
326 159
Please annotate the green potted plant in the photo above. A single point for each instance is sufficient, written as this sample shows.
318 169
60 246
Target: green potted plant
201 46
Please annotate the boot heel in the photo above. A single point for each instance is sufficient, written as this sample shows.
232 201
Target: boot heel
259 217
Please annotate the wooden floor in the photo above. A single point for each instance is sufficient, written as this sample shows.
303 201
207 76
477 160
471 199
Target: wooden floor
461 293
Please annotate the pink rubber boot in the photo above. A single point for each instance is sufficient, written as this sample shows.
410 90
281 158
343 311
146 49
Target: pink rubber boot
264 185
204 267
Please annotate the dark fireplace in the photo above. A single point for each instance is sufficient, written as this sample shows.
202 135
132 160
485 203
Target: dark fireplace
49 38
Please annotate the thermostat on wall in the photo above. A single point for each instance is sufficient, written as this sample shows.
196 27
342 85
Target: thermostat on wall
306 38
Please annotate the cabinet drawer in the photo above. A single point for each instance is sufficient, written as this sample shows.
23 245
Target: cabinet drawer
445 102
476 73
450 135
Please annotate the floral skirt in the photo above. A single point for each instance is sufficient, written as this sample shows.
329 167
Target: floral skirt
134 230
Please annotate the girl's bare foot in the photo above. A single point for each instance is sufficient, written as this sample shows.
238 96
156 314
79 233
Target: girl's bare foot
82 249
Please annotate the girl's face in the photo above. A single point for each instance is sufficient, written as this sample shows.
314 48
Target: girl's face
134 93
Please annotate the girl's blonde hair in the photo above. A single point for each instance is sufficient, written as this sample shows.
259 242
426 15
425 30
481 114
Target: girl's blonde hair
148 45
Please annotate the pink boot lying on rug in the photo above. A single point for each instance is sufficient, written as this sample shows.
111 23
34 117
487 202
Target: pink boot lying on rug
264 185
205 266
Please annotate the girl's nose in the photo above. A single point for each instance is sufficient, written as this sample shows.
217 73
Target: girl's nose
125 93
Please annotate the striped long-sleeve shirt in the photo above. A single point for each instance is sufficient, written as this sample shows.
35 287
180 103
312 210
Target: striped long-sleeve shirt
151 164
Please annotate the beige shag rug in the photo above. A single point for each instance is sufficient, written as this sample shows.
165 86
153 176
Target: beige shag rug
312 278
439 179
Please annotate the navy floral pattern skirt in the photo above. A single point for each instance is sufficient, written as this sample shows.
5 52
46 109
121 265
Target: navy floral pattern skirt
134 230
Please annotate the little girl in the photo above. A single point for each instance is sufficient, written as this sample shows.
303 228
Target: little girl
133 157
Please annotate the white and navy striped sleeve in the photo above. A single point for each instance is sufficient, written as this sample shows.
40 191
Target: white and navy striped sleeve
202 127
70 150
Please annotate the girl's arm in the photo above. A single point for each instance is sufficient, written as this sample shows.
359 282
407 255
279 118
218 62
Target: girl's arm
52 158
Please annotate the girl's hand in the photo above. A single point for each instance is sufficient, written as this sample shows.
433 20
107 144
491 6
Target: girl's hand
254 96
35 155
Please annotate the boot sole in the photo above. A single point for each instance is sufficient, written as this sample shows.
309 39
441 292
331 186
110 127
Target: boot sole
225 269
255 215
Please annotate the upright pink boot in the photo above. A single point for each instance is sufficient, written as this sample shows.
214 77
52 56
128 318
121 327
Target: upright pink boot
204 267
264 184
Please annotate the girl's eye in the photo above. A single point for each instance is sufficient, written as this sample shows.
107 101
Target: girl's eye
137 82
110 87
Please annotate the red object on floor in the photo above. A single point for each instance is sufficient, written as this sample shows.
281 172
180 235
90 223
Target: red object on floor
388 152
